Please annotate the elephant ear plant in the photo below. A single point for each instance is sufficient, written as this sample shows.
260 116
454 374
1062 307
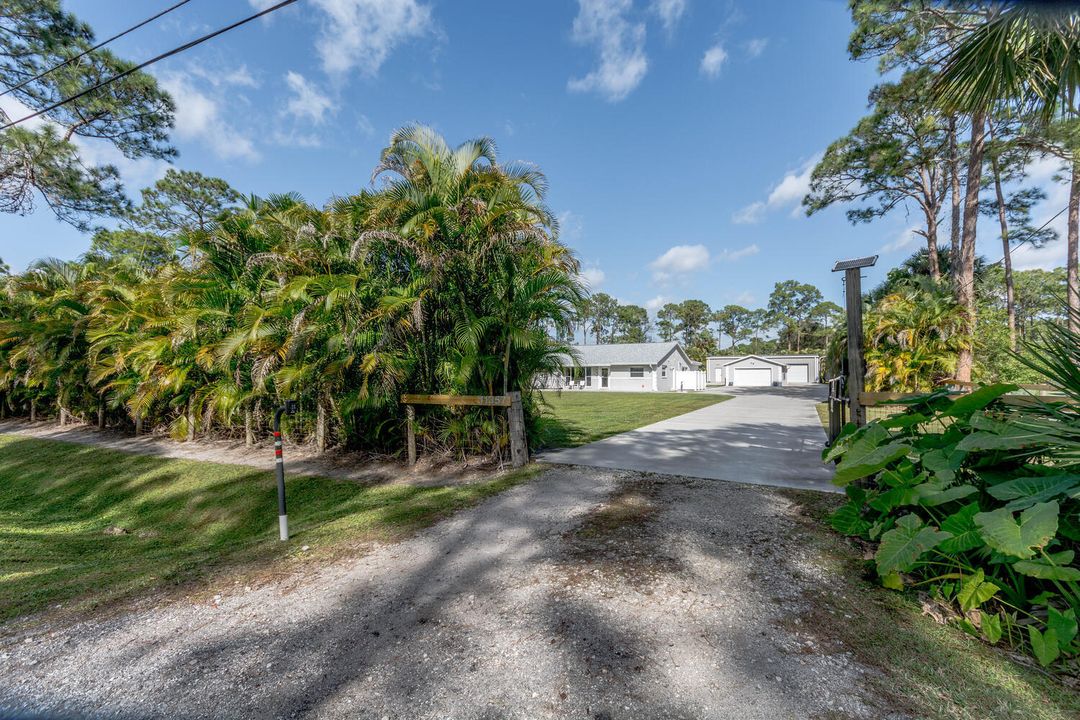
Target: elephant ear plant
976 500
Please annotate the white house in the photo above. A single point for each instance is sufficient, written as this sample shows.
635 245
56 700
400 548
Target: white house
763 370
629 367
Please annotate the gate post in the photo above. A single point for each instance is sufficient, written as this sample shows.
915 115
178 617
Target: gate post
519 449
410 432
853 297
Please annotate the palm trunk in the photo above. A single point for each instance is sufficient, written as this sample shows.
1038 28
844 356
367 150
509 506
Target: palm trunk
63 413
1073 272
1010 302
954 187
33 409
138 424
190 415
320 425
101 414
249 431
964 264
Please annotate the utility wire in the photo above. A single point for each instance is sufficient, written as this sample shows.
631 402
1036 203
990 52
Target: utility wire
101 44
151 61
1026 239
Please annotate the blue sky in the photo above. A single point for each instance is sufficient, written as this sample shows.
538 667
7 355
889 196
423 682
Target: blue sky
677 135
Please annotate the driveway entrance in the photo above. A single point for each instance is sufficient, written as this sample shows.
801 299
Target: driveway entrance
764 436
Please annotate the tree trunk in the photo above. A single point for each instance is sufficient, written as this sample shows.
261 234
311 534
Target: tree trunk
138 425
63 413
33 410
964 260
249 430
1073 273
1006 246
101 414
190 414
320 426
954 186
931 247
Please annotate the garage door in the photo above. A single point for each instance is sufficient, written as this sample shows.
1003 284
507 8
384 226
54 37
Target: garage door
798 373
753 377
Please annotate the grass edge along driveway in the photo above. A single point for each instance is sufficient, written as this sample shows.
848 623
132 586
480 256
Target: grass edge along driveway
83 527
580 417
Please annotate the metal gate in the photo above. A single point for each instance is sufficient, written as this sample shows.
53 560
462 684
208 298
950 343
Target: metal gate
838 407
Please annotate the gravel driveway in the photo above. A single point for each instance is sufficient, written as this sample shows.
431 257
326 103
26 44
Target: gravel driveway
583 593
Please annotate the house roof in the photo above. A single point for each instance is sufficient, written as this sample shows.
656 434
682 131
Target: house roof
770 360
623 353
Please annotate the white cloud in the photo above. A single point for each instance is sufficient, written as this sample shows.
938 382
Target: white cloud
361 34
594 277
239 77
198 117
571 227
756 46
307 101
363 124
679 260
789 192
713 60
904 239
745 298
733 255
669 12
621 43
656 303
15 110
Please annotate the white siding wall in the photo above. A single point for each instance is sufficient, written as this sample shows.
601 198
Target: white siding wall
755 363
621 381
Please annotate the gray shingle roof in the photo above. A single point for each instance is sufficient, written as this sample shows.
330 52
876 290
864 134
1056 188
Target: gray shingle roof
623 353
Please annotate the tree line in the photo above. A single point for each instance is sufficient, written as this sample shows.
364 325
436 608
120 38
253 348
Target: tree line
796 319
977 93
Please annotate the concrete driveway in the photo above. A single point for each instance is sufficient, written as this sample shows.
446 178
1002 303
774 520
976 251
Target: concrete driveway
764 436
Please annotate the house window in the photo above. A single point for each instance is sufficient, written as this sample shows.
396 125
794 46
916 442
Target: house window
637 372
663 371
588 377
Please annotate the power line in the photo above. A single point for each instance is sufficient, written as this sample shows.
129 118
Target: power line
100 45
1026 239
151 61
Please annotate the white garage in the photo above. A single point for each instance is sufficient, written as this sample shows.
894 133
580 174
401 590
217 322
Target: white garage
783 369
797 374
752 377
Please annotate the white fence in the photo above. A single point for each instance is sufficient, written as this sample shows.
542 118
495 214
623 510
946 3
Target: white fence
689 380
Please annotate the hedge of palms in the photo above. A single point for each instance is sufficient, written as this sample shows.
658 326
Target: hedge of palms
445 279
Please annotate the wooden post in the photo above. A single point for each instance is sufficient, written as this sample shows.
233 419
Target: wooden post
519 448
853 296
410 421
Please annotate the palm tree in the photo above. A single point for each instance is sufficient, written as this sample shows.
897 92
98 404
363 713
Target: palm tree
1026 57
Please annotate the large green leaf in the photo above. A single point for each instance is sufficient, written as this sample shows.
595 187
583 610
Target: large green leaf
1054 567
991 628
848 520
902 546
863 460
1063 624
851 434
1002 436
904 420
1044 645
1027 491
975 590
965 533
965 405
1036 526
933 494
943 462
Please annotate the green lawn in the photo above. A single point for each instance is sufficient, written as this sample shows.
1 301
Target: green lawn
579 417
184 521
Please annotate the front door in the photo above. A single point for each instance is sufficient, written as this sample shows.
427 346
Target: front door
603 377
